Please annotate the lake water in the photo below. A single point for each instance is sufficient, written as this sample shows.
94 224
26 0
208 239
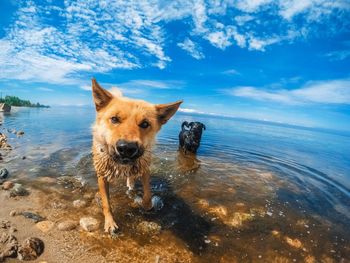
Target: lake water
255 191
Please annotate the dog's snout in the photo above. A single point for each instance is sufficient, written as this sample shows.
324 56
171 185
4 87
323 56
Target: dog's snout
127 149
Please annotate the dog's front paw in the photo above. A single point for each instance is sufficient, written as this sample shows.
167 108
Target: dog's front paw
156 203
111 226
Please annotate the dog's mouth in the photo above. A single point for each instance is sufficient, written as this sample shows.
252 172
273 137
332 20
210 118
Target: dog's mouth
126 160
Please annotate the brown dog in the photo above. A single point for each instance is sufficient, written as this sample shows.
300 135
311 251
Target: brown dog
123 135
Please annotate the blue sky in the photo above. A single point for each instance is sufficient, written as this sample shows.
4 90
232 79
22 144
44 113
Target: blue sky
283 61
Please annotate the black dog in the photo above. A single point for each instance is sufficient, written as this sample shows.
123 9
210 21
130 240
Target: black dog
190 139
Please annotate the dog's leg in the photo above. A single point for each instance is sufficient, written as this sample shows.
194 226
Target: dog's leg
130 183
110 225
147 195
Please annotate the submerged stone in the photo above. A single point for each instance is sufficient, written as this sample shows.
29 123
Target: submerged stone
79 203
7 185
4 173
67 225
20 133
296 243
18 190
219 211
45 226
35 217
69 182
8 246
89 223
238 219
147 227
30 249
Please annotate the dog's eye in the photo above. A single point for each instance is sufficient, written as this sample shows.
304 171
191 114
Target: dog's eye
144 124
115 120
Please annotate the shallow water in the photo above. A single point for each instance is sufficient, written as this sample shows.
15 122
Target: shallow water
255 192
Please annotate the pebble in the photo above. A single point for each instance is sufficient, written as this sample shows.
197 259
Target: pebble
4 173
79 203
45 226
35 217
89 223
18 190
69 182
30 249
10 246
7 185
238 219
13 213
67 225
296 243
20 133
219 211
147 227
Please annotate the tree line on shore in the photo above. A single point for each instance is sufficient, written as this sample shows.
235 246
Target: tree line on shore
15 101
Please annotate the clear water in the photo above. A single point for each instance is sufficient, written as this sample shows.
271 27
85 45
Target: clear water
252 187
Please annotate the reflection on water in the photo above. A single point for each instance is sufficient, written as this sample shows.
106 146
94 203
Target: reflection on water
254 192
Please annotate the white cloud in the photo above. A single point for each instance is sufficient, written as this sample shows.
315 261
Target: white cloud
192 48
334 91
338 55
86 87
153 84
251 5
259 94
45 89
188 110
231 72
99 36
312 9
327 92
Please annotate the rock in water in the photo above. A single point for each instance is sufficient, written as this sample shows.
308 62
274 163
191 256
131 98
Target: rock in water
150 228
89 223
8 246
35 217
45 226
67 225
18 190
3 142
20 133
30 249
7 185
79 203
4 173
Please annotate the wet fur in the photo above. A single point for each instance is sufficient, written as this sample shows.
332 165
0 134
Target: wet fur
106 134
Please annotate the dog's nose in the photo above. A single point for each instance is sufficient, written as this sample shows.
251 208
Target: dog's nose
127 149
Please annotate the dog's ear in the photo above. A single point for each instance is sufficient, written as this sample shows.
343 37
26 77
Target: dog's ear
101 96
166 111
184 124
